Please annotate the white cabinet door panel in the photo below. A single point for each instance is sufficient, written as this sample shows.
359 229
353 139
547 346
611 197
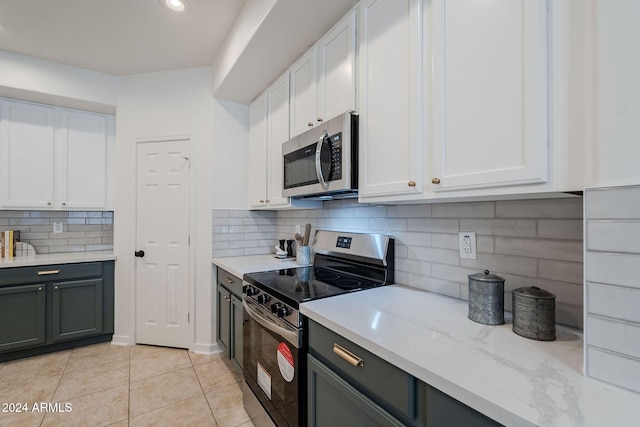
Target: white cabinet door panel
278 133
82 160
490 93
390 104
258 153
337 69
304 93
27 155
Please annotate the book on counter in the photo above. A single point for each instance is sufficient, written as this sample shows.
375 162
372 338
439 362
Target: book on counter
8 239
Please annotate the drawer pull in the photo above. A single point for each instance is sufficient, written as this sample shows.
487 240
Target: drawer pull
347 355
229 280
56 287
47 272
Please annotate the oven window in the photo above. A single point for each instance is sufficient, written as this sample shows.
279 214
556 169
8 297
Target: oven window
272 371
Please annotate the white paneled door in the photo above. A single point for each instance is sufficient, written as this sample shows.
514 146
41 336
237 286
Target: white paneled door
162 239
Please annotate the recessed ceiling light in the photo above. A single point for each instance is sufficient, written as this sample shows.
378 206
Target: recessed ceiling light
178 6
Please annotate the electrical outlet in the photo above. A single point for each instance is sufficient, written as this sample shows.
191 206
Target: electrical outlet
57 227
467 243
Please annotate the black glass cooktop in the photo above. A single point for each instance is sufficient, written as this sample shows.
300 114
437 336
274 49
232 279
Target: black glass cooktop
296 285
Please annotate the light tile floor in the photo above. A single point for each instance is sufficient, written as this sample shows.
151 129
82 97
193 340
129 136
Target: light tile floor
105 385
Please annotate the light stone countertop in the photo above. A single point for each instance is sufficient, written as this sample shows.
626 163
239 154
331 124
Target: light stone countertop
58 258
239 265
512 379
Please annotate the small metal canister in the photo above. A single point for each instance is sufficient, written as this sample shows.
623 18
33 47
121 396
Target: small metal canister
534 313
486 298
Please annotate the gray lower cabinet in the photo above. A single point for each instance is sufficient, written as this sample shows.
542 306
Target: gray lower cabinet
22 316
230 315
334 402
348 385
55 307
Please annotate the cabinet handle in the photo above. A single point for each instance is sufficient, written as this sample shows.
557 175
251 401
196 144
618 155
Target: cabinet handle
310 124
261 201
64 203
266 201
46 273
229 280
347 355
56 287
411 183
319 119
435 181
48 203
39 288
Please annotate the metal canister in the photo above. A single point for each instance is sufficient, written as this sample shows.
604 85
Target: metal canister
534 313
486 298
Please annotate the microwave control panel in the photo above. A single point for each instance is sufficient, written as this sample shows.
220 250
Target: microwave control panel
336 156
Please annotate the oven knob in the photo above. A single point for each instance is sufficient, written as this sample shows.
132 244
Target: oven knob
263 298
280 310
249 290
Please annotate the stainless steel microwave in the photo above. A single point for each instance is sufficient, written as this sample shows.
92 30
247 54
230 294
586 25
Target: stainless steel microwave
322 163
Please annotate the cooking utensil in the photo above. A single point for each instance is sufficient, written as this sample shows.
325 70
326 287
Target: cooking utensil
307 233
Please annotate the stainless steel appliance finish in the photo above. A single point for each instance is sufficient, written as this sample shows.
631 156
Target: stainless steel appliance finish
274 347
322 163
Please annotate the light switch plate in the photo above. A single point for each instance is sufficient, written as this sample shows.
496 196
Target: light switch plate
57 227
467 244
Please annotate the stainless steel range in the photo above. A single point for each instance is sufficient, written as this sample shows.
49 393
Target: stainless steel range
274 337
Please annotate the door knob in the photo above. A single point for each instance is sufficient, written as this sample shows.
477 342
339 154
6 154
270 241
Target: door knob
139 254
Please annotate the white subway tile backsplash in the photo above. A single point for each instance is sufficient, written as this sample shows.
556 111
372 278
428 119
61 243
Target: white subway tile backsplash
544 208
613 203
613 301
613 236
613 335
613 368
567 250
433 225
464 210
560 229
500 227
613 269
427 255
503 264
569 271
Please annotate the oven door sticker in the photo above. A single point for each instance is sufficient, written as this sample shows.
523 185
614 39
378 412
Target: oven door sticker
264 380
285 362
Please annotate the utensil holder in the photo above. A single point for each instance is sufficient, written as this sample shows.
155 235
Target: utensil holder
303 255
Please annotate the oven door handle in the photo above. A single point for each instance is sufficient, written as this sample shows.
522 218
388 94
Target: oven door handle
290 336
321 179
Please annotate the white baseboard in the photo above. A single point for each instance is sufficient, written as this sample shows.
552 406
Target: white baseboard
207 348
121 340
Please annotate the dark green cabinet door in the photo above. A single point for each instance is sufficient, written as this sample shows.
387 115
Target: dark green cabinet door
224 317
76 309
443 411
22 316
237 319
334 402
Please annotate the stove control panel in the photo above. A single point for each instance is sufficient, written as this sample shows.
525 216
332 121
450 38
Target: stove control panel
344 242
280 309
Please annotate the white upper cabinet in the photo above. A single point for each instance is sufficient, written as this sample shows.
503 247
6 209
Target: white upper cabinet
82 175
258 153
269 129
304 93
278 133
490 93
390 99
55 158
337 69
27 155
323 80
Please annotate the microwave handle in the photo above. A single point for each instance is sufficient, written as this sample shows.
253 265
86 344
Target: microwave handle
321 179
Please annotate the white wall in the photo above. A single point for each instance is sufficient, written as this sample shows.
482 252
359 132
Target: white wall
175 104
231 159
33 79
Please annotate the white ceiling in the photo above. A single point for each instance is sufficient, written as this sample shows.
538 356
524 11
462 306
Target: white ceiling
117 37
